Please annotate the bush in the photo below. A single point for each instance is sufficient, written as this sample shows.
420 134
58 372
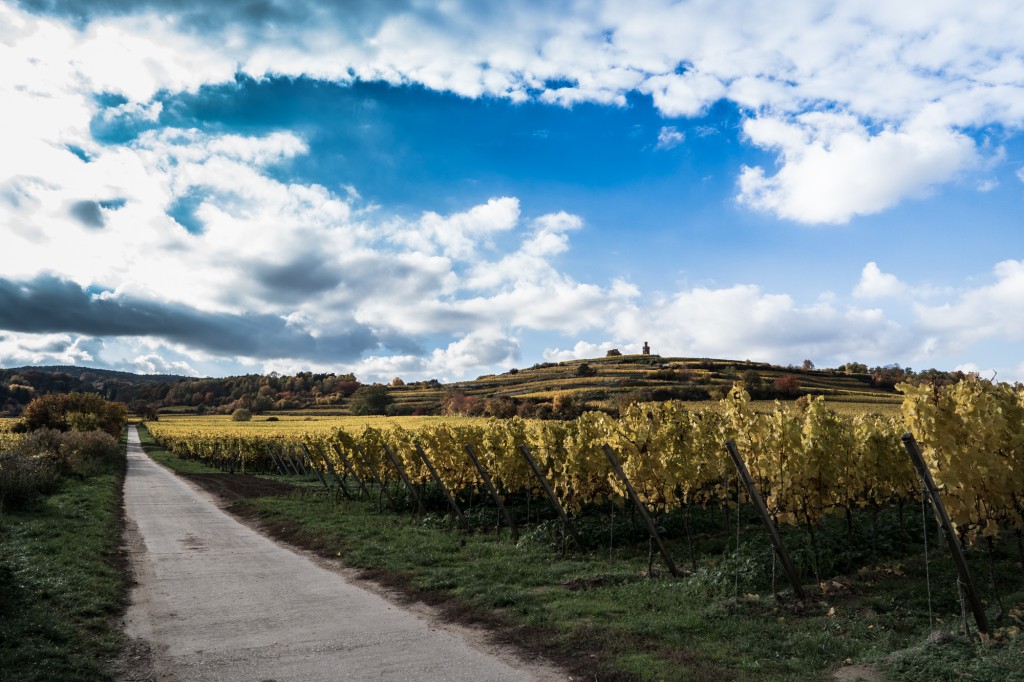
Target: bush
38 462
91 453
75 412
23 479
241 415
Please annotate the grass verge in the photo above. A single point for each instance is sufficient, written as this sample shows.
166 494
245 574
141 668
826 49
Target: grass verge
63 583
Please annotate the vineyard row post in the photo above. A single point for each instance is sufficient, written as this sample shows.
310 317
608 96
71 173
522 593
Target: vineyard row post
651 528
350 470
373 472
552 498
447 493
766 519
494 493
300 464
966 583
312 465
273 457
404 476
287 458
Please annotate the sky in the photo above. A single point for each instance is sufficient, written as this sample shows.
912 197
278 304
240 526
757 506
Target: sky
455 188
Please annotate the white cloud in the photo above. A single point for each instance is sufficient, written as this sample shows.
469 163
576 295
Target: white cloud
877 284
19 349
834 169
583 350
669 137
151 363
989 312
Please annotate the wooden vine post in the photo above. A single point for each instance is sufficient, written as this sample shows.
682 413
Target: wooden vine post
373 472
494 494
349 469
287 459
651 528
312 465
447 493
766 519
404 476
966 583
552 498
273 457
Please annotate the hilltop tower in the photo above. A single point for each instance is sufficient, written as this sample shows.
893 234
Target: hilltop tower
647 349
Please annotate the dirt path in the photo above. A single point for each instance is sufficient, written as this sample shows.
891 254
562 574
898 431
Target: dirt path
215 600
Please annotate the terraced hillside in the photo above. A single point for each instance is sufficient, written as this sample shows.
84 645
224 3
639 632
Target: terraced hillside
610 382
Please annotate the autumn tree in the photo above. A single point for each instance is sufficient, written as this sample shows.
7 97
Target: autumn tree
74 412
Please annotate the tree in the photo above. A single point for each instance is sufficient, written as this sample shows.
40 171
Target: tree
787 384
397 381
241 415
585 370
146 410
613 353
753 381
74 412
807 365
370 400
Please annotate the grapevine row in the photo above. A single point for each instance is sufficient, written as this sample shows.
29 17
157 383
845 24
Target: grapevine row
808 463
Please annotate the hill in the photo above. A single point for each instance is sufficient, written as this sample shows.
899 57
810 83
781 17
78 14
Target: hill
563 388
547 389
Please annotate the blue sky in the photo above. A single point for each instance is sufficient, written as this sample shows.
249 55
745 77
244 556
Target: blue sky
453 189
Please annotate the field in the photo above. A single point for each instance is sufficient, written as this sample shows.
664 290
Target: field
292 425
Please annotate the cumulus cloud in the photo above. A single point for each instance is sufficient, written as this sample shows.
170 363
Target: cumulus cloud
990 311
151 363
877 284
17 349
833 168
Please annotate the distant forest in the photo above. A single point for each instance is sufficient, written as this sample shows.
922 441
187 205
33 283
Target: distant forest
258 393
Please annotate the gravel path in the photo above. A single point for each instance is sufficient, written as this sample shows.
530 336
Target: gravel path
215 600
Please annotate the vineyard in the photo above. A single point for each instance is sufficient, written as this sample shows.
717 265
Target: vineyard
811 465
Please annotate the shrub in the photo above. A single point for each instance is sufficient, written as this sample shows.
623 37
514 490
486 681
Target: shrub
38 462
91 453
585 370
241 415
23 479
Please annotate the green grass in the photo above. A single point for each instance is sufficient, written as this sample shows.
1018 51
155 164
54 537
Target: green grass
61 584
604 609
